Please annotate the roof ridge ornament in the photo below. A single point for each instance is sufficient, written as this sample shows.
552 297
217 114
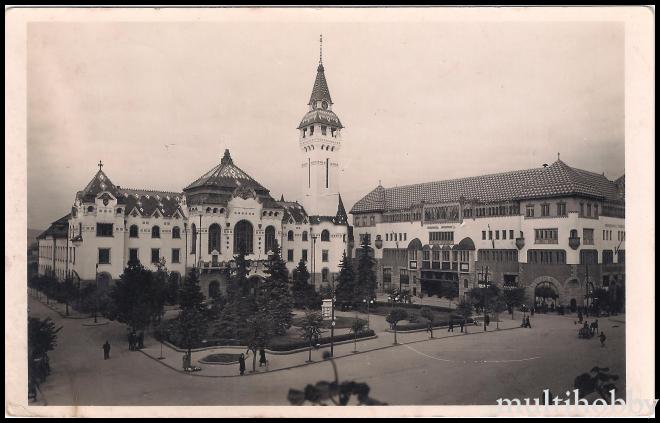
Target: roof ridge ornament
321 49
226 159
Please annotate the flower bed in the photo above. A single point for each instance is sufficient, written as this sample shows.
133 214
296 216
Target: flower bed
288 344
424 325
221 358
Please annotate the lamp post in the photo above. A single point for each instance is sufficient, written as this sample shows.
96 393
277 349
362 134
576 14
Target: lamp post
368 301
332 323
314 236
96 279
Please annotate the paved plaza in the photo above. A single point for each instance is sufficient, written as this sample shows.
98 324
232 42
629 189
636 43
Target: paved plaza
512 362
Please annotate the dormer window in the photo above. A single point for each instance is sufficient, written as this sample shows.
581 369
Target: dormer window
323 129
311 130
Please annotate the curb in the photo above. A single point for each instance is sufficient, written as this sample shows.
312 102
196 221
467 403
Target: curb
321 361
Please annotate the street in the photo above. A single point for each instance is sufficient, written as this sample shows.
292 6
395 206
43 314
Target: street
460 370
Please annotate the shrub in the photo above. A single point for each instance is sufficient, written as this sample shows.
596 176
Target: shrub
288 345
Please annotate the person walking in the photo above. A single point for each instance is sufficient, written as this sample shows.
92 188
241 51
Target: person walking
602 339
429 329
451 326
241 364
106 350
262 357
462 325
140 341
579 315
596 326
131 341
529 325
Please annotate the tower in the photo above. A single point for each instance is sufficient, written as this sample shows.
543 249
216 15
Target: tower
320 144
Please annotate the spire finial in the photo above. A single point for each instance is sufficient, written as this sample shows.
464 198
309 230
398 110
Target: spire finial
100 165
321 49
557 156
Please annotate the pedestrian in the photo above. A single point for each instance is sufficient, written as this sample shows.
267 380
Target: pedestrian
451 326
602 339
487 319
133 341
596 326
241 364
532 311
529 325
524 322
140 341
429 329
130 341
462 324
262 357
106 350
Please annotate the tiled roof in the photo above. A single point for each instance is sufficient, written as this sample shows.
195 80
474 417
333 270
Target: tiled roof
57 229
220 184
147 202
99 183
293 210
325 117
556 180
320 90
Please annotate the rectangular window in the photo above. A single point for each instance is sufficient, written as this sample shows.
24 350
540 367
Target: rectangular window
608 257
304 255
404 278
511 234
289 255
497 234
133 255
490 234
588 236
545 210
155 255
324 256
546 236
441 237
621 256
387 276
323 130
426 255
483 234
589 209
530 211
104 256
595 210
561 209
588 257
175 255
104 229
503 234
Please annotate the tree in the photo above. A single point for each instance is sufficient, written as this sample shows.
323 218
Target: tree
191 324
173 287
274 300
42 336
427 313
394 317
357 327
159 290
346 290
498 305
513 297
464 311
451 292
480 297
68 293
310 328
258 330
366 276
304 294
133 297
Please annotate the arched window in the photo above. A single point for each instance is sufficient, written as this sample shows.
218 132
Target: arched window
214 237
155 232
289 236
176 232
133 231
193 239
304 236
270 238
325 235
243 234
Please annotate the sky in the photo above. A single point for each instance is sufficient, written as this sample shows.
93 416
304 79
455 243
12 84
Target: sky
159 103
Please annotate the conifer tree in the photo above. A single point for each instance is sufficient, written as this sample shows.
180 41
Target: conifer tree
304 294
274 299
191 323
346 289
366 275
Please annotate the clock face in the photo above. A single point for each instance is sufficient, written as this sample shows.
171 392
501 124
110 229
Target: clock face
324 104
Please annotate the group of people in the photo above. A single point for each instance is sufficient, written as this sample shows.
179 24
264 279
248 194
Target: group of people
243 356
135 341
590 329
526 323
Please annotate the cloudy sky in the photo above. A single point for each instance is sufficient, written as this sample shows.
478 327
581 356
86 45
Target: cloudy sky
159 103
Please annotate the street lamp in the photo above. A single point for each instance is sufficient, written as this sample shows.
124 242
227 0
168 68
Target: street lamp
332 323
368 301
96 279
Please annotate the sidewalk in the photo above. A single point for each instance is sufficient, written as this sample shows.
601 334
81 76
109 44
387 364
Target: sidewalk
173 359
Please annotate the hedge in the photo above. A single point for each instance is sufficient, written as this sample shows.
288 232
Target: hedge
288 345
415 306
414 326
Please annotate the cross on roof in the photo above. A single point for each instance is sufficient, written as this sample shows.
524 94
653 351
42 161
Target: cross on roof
100 165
